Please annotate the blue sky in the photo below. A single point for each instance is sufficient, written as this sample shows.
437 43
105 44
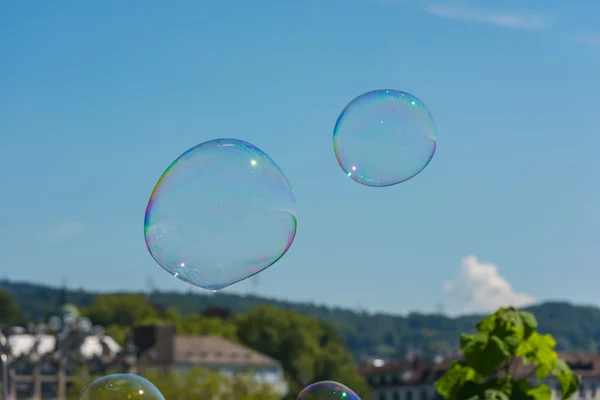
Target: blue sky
97 98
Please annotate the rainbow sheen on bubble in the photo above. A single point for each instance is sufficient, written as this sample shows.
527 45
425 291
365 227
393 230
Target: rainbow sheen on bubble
384 137
121 387
221 212
327 390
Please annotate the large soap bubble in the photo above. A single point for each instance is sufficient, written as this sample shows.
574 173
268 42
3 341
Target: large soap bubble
222 212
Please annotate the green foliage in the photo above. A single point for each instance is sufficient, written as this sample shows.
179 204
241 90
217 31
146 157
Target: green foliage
9 309
308 349
119 312
198 325
490 355
123 310
196 383
117 332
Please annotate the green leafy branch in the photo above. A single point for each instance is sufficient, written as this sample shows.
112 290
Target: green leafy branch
487 372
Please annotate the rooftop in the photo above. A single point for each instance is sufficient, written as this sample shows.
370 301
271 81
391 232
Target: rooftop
213 350
22 344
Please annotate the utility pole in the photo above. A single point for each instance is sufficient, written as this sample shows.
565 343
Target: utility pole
4 350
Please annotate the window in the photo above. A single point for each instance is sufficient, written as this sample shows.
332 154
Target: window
97 368
70 368
270 375
423 394
409 395
24 390
48 368
382 396
23 368
49 390
395 396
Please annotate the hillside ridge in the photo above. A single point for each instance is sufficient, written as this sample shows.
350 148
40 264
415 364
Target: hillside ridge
575 328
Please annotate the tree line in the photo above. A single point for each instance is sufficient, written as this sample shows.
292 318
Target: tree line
308 349
575 328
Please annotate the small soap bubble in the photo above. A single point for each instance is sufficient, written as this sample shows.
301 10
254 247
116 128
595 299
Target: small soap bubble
384 137
221 212
121 386
327 390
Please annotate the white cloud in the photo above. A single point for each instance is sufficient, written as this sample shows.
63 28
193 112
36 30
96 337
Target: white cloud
505 19
592 40
483 289
65 231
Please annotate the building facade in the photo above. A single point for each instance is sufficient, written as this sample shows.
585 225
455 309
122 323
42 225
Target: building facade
161 347
41 362
404 380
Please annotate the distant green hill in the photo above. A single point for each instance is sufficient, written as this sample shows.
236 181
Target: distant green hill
576 328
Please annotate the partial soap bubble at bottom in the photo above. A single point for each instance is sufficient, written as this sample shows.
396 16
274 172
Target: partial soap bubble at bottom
121 387
327 390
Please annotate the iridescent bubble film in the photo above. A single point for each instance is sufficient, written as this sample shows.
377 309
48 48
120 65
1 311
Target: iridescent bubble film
327 390
222 212
121 387
384 137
